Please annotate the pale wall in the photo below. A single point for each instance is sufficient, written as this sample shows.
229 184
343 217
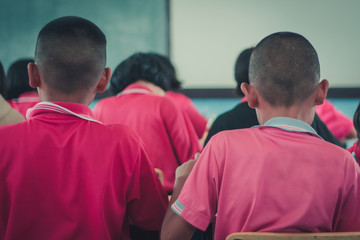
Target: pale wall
207 35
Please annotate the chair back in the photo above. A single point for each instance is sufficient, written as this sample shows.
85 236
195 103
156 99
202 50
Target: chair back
294 236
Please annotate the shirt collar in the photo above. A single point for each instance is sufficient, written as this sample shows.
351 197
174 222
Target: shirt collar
291 125
135 88
66 108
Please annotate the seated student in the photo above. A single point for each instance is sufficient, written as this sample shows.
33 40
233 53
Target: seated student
19 93
340 125
198 121
355 149
63 174
280 176
242 116
140 84
7 114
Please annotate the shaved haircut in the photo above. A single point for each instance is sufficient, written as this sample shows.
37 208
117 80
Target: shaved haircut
71 54
285 68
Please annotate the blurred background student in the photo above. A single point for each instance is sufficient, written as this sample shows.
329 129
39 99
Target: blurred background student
7 113
242 116
140 84
185 103
340 125
19 93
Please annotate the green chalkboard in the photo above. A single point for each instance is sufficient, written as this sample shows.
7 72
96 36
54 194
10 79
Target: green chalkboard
130 25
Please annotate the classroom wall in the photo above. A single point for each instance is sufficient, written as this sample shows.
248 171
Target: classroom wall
207 35
130 25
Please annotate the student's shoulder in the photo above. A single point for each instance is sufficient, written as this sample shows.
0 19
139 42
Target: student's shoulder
332 152
106 100
116 135
238 135
104 104
178 96
13 127
118 131
166 103
13 131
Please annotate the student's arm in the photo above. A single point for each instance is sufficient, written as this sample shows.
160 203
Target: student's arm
352 133
174 227
196 205
340 125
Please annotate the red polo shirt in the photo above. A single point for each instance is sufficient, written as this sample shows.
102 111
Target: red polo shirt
166 131
198 121
24 102
63 175
279 177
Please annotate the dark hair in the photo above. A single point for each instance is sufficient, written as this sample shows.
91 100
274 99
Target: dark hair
139 66
285 68
170 71
356 121
18 78
242 69
71 53
2 81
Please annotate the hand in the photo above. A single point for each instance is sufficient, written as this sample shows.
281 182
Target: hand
184 170
181 174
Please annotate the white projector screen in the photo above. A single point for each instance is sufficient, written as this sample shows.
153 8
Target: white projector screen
207 35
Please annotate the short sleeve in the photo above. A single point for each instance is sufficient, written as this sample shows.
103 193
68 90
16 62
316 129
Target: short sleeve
198 199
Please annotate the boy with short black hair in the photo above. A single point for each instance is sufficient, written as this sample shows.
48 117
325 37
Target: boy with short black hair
280 176
64 175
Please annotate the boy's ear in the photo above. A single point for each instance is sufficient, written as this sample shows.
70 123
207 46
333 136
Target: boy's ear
104 80
250 93
34 75
321 92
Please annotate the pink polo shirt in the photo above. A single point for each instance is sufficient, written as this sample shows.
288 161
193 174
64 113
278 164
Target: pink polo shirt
167 132
24 102
280 177
336 121
63 175
198 121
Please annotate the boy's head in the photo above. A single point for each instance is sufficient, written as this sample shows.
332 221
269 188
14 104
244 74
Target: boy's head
242 69
284 68
170 71
70 55
139 66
